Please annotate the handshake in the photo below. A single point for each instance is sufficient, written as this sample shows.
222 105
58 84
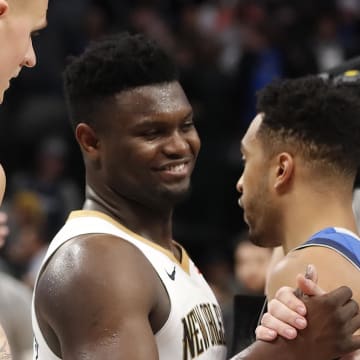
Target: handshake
326 333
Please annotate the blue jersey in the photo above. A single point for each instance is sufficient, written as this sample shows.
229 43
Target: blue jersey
342 241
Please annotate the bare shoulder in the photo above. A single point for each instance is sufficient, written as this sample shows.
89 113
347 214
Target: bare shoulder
283 273
327 262
95 298
5 352
94 273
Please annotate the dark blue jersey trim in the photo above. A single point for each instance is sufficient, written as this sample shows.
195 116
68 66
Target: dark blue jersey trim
350 254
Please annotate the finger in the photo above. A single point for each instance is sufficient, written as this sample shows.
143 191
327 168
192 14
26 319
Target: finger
354 324
286 315
355 341
352 345
311 273
280 327
286 296
349 310
307 286
339 296
265 334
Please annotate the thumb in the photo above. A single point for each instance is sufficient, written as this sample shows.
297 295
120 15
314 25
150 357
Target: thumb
311 273
308 283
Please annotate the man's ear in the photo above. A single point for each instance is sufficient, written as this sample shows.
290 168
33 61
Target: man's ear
4 6
88 140
284 170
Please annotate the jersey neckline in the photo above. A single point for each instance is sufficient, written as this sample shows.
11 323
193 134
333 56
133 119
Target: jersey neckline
185 260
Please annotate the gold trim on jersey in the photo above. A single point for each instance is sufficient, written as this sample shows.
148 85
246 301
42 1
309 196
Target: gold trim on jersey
185 261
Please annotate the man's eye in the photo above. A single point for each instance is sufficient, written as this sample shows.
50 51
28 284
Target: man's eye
188 125
151 134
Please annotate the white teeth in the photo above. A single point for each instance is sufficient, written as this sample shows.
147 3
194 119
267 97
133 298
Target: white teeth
176 168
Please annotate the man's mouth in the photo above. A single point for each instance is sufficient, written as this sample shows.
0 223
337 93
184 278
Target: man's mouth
175 168
175 171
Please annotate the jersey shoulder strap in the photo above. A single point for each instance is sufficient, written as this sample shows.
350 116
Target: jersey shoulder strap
343 243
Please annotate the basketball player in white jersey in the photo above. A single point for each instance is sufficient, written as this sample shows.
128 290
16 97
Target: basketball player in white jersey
301 155
19 19
114 283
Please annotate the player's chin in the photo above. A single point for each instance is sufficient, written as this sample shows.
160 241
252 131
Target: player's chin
177 193
254 236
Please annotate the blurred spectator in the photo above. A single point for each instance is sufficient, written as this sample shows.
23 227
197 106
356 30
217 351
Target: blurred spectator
15 316
217 271
328 49
260 63
27 222
57 193
28 252
146 20
98 19
251 266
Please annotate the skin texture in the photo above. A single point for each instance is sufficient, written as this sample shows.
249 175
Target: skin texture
286 181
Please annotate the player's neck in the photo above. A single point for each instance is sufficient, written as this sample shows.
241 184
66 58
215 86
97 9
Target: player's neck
313 213
152 225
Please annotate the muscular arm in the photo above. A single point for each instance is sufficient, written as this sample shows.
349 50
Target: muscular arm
96 298
5 353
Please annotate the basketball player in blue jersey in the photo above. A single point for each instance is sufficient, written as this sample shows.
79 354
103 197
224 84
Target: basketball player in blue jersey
114 284
19 19
301 154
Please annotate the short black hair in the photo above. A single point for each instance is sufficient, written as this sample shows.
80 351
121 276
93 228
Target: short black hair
109 66
321 118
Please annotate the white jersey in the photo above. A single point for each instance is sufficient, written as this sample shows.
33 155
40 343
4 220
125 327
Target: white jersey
194 328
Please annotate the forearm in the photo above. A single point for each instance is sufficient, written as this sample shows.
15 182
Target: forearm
261 350
280 349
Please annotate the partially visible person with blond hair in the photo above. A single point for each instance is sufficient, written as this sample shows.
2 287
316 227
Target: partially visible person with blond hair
19 20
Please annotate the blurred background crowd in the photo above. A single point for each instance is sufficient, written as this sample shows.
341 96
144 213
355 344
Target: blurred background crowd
226 50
